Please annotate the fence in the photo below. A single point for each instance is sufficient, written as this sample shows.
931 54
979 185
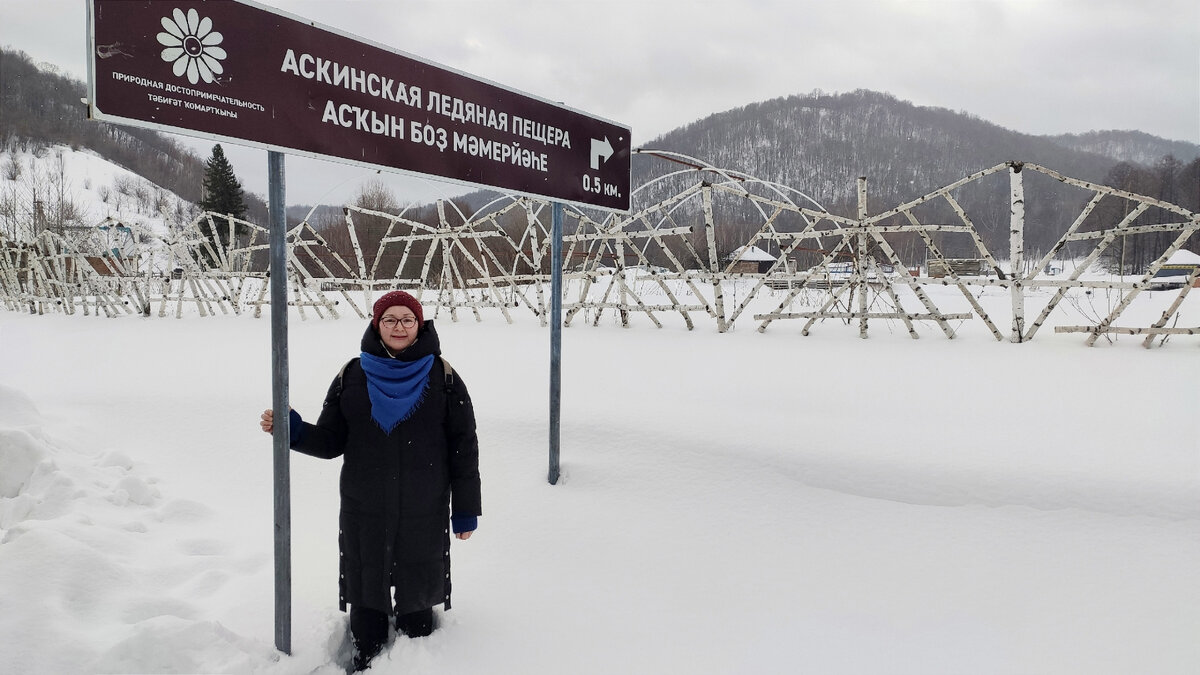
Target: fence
664 259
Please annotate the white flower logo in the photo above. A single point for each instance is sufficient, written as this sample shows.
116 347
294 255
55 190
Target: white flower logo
192 44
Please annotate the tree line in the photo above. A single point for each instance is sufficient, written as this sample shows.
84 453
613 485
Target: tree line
1169 180
40 107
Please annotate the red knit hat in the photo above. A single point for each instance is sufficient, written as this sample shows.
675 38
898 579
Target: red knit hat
393 299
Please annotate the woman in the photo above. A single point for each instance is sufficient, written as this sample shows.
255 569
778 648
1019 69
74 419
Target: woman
402 420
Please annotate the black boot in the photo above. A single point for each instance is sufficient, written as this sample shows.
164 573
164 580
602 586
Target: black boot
416 624
368 629
362 661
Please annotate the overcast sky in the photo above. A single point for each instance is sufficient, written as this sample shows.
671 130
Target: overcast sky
1035 66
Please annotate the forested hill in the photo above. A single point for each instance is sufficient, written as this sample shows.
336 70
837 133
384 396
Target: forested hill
40 107
821 143
1129 146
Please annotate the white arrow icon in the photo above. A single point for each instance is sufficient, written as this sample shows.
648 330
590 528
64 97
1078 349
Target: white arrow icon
600 149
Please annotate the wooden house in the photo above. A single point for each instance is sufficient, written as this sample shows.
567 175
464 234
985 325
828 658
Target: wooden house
750 260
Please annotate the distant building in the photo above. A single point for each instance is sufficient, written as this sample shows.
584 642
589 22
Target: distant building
963 267
751 260
1175 271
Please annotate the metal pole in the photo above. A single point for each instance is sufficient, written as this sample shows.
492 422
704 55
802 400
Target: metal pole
279 402
556 234
1017 249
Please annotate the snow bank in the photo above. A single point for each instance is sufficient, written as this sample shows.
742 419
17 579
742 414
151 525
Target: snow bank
92 541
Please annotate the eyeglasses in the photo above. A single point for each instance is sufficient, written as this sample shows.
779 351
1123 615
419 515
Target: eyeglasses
391 321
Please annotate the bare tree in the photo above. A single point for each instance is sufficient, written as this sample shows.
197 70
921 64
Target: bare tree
9 210
371 229
12 168
66 214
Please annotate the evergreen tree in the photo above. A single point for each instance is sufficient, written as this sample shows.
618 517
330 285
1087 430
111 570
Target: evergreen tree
222 190
222 195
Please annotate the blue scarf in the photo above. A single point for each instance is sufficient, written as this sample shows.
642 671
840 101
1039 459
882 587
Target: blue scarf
395 387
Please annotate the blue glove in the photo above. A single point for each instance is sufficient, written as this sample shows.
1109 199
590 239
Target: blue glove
462 524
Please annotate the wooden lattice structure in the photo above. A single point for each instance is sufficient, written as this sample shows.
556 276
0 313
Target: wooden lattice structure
662 259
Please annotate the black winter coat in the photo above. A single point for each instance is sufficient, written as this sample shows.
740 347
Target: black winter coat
396 488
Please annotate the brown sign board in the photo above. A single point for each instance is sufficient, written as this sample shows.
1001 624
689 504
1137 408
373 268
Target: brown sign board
241 72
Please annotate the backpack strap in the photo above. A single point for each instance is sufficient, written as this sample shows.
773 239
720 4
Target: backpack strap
449 374
341 374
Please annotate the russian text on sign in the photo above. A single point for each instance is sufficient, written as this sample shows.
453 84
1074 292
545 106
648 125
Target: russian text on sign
348 77
550 135
459 110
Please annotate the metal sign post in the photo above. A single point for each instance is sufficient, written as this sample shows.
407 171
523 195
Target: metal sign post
556 235
281 436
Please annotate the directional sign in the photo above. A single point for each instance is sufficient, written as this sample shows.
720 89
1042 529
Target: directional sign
249 74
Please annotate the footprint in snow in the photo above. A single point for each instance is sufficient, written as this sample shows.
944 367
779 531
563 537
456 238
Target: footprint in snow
203 547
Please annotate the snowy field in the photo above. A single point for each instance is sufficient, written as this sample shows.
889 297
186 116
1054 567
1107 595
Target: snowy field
737 503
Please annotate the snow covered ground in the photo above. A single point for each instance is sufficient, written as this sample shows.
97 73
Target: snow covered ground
737 503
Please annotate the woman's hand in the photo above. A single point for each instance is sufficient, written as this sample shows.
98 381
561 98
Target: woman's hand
268 421
464 535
